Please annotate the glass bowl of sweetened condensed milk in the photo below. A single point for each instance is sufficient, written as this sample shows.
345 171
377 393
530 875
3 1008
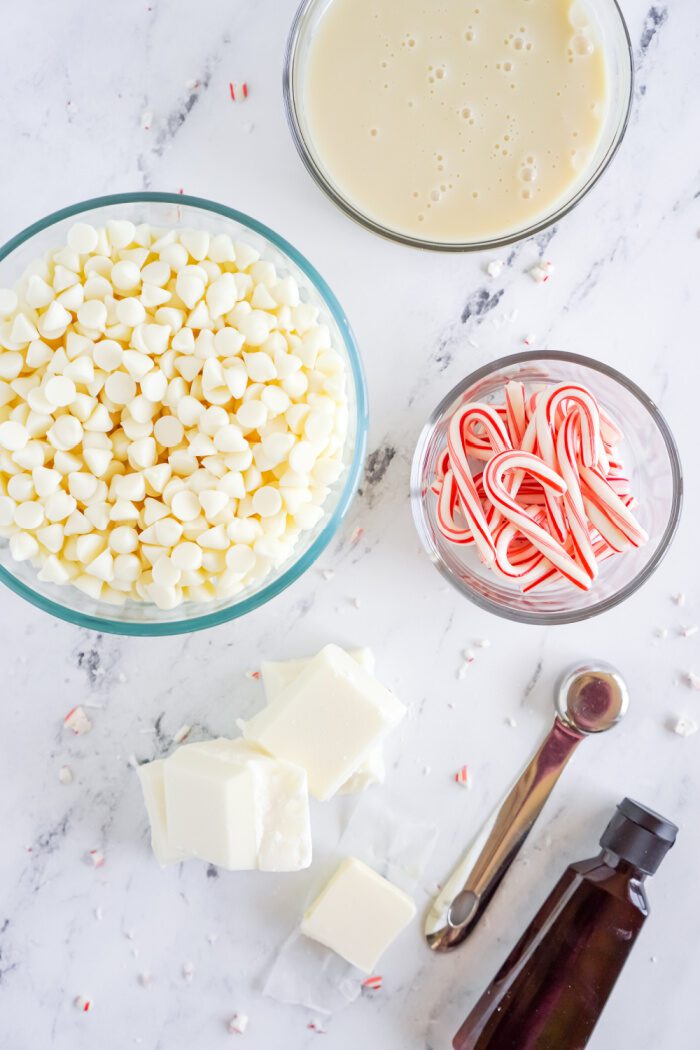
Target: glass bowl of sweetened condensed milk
457 126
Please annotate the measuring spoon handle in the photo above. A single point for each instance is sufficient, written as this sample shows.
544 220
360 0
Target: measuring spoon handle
469 889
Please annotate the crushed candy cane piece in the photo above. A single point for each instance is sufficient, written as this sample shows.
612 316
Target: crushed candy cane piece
65 775
685 727
529 339
77 721
482 643
494 267
692 679
316 1026
661 632
145 979
253 675
541 271
96 857
182 734
678 599
188 971
374 983
463 777
327 574
191 85
146 120
357 535
468 656
238 1023
688 632
510 721
356 603
82 1003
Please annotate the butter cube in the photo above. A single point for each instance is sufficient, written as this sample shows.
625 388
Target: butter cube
328 720
358 914
231 805
278 674
152 785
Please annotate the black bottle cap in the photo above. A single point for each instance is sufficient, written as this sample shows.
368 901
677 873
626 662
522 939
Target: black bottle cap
639 835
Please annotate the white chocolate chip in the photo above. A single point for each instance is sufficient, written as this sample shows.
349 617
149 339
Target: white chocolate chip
172 415
125 276
82 238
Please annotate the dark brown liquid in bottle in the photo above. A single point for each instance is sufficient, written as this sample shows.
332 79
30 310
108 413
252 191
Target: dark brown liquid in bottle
550 992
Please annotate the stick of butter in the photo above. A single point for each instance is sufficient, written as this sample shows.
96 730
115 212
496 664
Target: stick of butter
358 914
227 803
278 674
328 720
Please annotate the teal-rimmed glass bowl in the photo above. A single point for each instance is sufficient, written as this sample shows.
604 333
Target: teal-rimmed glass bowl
178 211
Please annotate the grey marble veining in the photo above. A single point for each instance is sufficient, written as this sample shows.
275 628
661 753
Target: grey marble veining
134 96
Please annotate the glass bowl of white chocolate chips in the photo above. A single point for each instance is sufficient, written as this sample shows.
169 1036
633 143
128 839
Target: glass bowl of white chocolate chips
183 414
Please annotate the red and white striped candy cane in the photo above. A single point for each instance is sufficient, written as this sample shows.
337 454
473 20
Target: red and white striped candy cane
442 465
559 398
575 512
516 408
601 494
448 505
519 565
471 504
496 491
483 431
608 532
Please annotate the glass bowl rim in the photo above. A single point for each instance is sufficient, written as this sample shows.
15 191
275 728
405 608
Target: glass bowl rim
576 615
292 106
105 625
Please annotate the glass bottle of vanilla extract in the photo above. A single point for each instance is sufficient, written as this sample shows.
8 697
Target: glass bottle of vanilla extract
552 988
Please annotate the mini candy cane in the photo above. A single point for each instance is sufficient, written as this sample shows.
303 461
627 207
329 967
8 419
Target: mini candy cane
608 531
494 474
448 503
471 504
573 500
588 415
516 412
520 565
548 408
496 437
600 493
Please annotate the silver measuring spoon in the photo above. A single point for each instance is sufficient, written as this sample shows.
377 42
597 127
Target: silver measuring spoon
590 698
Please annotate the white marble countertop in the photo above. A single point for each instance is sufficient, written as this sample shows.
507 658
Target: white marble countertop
78 79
